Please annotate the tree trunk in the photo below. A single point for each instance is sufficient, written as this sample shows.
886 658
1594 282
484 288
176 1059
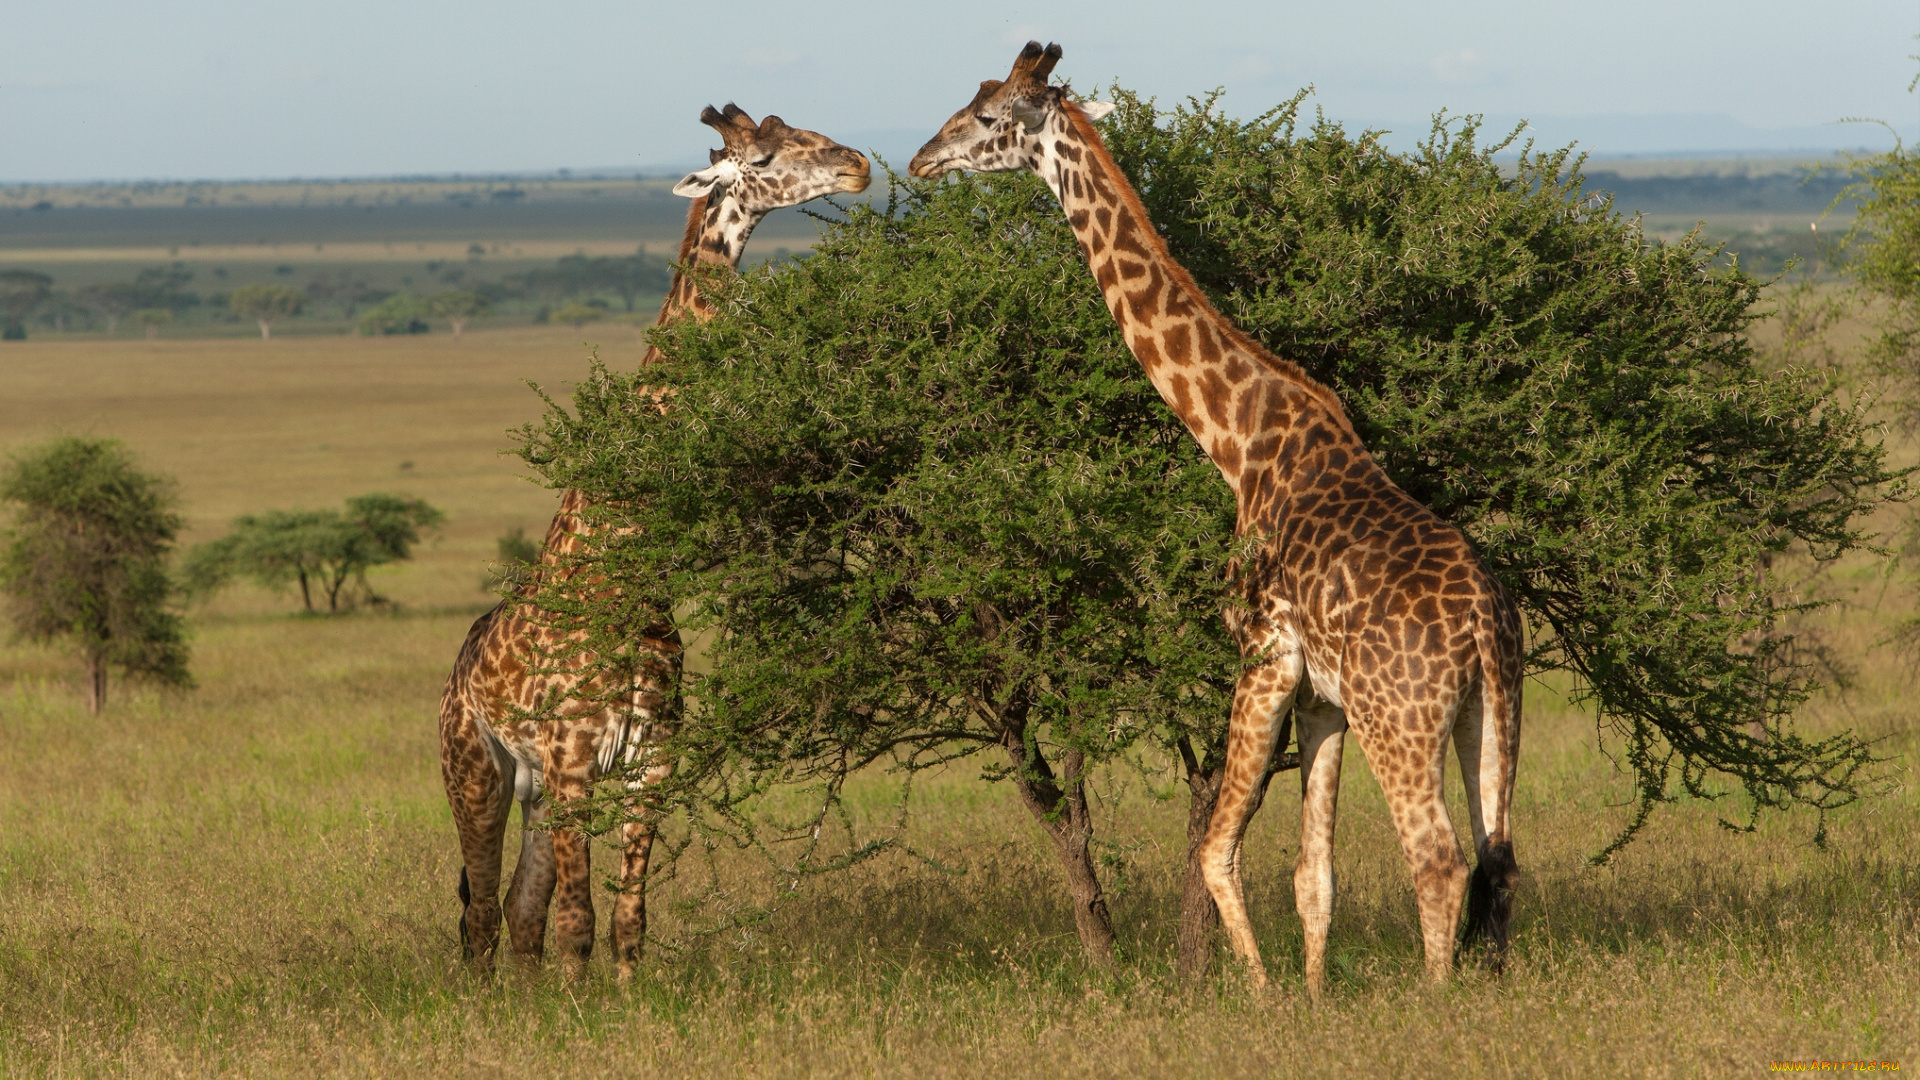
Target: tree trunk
153 331
96 683
265 333
113 324
1199 917
1060 808
457 325
306 594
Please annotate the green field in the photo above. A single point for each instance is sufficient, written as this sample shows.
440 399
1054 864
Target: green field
257 877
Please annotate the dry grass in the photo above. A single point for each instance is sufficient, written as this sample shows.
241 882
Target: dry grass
256 878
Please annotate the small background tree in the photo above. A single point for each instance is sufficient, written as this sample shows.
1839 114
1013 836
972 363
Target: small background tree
327 550
401 313
113 300
265 304
153 319
85 560
459 307
20 292
576 314
518 554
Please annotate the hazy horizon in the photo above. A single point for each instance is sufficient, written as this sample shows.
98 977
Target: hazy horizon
221 91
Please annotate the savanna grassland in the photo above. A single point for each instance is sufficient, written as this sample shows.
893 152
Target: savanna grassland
256 877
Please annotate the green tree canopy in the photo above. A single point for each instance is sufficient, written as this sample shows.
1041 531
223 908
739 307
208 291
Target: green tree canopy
85 560
458 308
576 314
329 550
20 292
1881 253
401 313
932 506
265 304
114 300
153 319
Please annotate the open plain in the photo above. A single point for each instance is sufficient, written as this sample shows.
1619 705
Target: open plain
256 877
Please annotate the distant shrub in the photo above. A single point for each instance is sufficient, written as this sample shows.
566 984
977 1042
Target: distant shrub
517 552
576 314
401 313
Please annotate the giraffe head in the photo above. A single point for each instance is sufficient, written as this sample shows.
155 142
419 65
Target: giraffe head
1004 127
769 165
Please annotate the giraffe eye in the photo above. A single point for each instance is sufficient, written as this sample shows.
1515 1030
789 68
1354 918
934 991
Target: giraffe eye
985 121
763 162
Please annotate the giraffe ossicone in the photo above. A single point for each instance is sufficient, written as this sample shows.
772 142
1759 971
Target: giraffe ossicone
1355 607
515 729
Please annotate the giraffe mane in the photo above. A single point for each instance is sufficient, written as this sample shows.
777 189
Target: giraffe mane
1287 369
691 238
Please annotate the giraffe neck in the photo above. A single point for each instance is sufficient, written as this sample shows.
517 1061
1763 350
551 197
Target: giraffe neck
716 234
1243 404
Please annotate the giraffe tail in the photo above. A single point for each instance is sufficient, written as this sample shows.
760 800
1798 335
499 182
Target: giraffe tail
1490 890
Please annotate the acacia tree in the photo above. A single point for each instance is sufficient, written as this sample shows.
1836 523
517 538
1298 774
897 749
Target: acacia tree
20 292
85 560
266 303
326 550
153 319
114 300
1881 253
458 308
930 504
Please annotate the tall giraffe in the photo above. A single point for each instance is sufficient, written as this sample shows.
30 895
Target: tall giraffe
493 749
1357 606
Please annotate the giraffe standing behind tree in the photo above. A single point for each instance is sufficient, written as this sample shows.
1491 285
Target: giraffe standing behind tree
522 718
1355 606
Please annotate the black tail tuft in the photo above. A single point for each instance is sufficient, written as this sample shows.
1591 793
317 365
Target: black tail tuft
466 898
1490 903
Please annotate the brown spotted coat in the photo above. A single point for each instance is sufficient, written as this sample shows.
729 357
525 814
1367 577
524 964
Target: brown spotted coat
513 730
1358 607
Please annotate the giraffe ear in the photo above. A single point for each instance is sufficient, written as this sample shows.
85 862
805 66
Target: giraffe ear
1096 110
1031 114
717 178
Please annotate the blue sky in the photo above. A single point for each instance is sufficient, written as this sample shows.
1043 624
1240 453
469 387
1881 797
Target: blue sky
219 89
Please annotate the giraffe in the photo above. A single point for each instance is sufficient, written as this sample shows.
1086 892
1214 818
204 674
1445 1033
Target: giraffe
1355 607
493 749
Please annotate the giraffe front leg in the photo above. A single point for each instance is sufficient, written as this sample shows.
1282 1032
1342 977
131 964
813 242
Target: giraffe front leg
1323 734
573 870
573 901
1259 701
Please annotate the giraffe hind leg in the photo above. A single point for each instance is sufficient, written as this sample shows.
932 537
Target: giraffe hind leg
480 796
1490 889
1410 777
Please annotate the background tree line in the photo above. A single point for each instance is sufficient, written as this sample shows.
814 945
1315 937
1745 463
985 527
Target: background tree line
161 296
